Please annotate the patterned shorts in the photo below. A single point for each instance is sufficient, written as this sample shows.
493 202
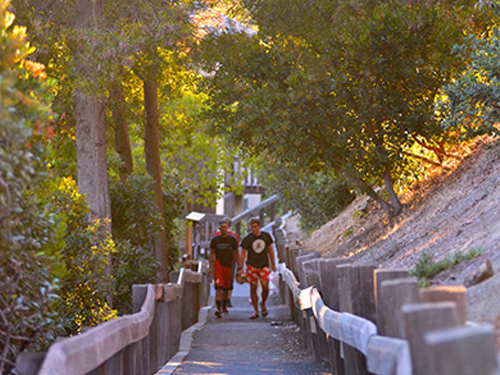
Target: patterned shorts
254 274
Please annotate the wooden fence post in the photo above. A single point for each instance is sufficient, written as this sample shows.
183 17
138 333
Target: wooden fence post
356 298
288 257
317 336
305 322
29 363
366 273
382 275
310 255
329 288
454 293
138 296
114 365
420 319
393 295
129 360
462 351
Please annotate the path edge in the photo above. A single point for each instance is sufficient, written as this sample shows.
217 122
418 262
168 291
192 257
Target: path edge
186 341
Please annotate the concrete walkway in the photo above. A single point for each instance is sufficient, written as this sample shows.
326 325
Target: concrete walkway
236 345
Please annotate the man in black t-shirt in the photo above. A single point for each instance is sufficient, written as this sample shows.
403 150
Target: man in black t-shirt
257 250
223 251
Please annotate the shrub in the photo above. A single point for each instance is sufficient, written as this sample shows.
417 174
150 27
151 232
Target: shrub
27 227
427 267
135 222
131 265
87 285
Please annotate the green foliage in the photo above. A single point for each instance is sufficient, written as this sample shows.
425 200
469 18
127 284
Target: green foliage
427 267
86 285
317 197
190 151
135 222
173 202
469 105
134 211
347 233
26 224
131 265
329 87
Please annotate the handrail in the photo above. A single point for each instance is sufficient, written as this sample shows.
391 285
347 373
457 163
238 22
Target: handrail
386 355
252 211
138 343
79 354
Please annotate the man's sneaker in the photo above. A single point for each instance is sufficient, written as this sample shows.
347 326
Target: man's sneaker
229 304
218 313
224 310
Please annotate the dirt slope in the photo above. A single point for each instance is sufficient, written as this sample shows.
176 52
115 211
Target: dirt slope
458 210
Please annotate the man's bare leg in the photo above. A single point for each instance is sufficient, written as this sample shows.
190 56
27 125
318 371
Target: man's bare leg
264 295
218 301
255 300
224 301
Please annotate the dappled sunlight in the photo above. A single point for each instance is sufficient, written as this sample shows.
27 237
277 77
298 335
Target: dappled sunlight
207 364
381 238
456 155
420 248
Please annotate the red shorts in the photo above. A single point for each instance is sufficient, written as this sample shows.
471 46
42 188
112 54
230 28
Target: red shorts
223 276
254 274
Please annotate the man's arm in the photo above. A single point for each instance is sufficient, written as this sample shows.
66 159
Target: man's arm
271 258
243 257
211 262
236 253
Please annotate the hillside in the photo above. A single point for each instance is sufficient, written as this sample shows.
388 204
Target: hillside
458 209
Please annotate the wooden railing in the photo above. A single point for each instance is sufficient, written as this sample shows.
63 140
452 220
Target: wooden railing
266 206
363 320
140 343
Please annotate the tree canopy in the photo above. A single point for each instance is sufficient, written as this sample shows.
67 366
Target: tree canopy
344 87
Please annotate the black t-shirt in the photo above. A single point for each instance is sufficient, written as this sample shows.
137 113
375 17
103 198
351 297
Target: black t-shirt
257 248
224 248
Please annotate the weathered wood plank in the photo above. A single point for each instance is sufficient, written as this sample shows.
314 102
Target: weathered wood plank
388 356
462 351
455 293
423 318
393 295
300 266
329 287
382 275
356 331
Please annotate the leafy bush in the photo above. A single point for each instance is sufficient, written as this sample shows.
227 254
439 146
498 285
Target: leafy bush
134 211
131 265
27 228
87 284
427 267
469 106
135 222
317 197
173 203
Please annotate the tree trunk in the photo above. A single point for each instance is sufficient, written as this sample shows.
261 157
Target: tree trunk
368 190
122 139
91 153
90 118
153 165
396 203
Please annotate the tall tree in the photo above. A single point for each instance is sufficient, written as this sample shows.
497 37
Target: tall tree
122 137
344 87
90 122
470 104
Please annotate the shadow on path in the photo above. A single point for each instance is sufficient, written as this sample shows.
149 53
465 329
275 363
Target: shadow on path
236 345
